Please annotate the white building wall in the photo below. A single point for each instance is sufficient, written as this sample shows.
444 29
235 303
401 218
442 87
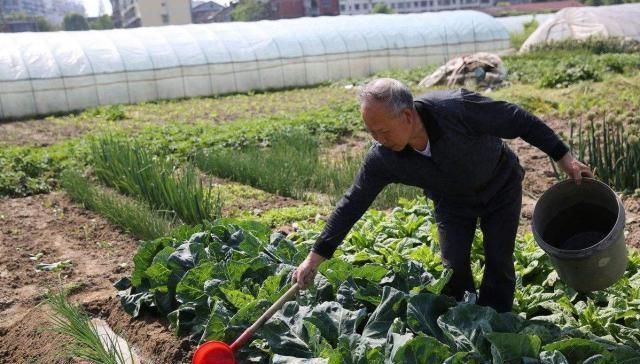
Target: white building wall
357 7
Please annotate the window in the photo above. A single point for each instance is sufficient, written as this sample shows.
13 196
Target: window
416 4
165 18
356 6
342 8
423 3
393 5
400 5
365 6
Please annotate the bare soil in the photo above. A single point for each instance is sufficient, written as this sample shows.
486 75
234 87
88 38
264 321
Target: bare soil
39 132
100 255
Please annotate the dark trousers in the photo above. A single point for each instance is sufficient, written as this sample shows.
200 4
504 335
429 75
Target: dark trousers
499 225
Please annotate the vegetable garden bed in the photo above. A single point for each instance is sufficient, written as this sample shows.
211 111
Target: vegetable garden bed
377 299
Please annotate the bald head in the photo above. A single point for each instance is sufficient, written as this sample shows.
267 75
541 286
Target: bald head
390 93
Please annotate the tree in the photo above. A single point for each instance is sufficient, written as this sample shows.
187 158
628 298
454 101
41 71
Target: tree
17 15
250 10
43 25
103 22
75 22
381 8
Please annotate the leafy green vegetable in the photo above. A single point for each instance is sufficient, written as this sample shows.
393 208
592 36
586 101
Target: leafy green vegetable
377 301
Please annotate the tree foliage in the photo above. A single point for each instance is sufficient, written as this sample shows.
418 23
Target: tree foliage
43 25
250 10
75 22
103 22
381 8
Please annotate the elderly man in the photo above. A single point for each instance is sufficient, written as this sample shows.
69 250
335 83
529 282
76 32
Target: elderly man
449 144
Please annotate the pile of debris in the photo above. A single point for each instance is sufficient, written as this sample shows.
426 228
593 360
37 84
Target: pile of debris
478 70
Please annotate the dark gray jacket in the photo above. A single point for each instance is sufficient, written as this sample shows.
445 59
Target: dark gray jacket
469 162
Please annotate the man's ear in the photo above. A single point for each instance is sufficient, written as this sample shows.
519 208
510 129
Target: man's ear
408 115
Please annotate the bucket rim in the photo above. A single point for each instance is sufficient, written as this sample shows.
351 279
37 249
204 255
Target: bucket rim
579 253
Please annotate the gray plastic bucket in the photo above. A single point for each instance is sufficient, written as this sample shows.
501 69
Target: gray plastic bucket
581 228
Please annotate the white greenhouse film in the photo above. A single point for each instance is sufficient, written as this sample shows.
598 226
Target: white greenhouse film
580 23
44 73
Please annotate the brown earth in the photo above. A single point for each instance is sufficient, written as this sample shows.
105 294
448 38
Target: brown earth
99 253
39 132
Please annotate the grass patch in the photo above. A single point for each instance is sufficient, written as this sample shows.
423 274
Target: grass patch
518 38
561 68
338 173
287 215
126 213
286 168
611 146
133 171
291 166
185 141
617 93
179 129
26 171
84 341
593 45
234 107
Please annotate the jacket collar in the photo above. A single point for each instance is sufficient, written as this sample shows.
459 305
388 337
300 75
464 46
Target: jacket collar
428 120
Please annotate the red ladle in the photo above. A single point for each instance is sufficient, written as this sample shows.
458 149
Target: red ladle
218 352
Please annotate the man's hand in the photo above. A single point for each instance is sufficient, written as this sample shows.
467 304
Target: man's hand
574 168
306 271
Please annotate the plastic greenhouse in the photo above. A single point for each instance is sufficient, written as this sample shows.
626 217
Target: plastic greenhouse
584 22
43 73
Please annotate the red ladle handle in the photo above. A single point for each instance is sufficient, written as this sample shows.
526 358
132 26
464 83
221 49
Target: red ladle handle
248 333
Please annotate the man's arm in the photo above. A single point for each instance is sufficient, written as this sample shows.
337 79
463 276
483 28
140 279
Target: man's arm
370 180
484 115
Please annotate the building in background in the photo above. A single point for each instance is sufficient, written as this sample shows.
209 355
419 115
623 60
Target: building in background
284 9
516 8
148 13
29 8
53 11
15 26
205 12
225 14
57 9
353 7
321 7
116 16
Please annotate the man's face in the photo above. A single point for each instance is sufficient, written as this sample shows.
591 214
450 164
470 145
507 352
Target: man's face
392 131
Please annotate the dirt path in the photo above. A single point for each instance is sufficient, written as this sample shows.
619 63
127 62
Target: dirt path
99 253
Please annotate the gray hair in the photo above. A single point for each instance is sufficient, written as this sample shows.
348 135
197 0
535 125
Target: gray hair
394 94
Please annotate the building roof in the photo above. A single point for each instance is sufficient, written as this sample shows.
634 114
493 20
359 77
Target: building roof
208 6
548 6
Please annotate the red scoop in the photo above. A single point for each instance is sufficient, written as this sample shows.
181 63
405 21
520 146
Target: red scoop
217 352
